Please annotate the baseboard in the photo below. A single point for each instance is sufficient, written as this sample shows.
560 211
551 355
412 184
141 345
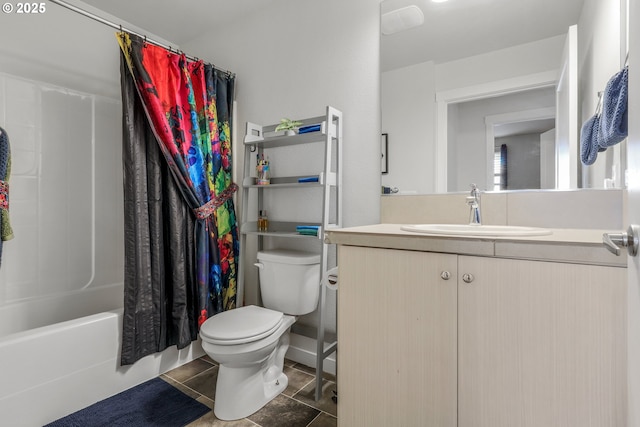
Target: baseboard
303 350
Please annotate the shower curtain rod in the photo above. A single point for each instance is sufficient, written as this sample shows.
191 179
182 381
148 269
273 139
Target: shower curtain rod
121 28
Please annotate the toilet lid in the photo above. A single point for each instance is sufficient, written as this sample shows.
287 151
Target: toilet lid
241 325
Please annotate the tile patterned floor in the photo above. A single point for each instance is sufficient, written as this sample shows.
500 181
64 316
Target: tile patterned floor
295 407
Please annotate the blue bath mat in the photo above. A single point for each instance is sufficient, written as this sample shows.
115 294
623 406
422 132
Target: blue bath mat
154 403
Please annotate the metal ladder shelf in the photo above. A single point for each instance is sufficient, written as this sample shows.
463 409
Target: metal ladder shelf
329 181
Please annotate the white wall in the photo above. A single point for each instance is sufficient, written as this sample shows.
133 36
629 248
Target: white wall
296 58
61 48
408 116
64 48
422 81
601 53
293 60
529 58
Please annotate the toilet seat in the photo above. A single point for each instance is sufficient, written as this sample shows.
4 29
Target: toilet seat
241 325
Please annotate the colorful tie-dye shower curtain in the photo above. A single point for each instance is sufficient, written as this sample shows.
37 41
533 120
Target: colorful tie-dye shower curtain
188 108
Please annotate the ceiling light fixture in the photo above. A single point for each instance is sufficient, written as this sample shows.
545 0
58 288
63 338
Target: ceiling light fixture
401 19
439 1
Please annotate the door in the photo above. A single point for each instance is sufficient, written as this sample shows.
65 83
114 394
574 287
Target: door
540 344
397 326
567 114
548 159
633 217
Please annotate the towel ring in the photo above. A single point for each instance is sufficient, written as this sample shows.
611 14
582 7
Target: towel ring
599 105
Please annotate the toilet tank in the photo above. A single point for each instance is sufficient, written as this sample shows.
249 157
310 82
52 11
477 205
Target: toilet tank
289 280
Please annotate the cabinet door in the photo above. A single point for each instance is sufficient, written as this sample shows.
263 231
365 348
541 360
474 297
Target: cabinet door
541 344
397 338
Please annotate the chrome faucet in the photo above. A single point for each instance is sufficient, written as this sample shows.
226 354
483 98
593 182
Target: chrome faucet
474 204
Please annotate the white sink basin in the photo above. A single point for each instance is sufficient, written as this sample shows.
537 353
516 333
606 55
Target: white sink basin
476 230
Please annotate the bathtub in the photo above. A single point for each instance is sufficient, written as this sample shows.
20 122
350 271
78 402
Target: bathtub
49 370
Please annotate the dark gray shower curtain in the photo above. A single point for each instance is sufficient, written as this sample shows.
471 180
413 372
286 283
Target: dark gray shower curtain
160 290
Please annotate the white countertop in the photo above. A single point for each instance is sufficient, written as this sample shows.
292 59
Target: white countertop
562 245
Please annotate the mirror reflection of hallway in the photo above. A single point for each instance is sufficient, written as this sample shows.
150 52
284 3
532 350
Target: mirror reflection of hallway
478 129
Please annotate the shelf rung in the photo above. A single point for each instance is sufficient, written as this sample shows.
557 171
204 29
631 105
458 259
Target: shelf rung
329 349
283 141
285 182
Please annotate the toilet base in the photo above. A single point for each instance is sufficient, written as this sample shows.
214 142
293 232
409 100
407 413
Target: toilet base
244 387
248 397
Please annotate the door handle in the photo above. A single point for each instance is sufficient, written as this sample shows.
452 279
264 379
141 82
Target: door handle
628 239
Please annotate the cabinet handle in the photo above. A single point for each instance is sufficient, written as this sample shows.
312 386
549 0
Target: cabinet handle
445 275
467 278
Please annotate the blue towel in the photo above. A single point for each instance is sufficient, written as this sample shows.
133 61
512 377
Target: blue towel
307 129
589 141
613 120
308 230
308 179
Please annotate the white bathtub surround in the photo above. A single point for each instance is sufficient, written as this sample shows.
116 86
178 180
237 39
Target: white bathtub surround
33 313
66 191
55 370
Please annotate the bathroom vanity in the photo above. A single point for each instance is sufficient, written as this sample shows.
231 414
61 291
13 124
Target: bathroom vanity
479 331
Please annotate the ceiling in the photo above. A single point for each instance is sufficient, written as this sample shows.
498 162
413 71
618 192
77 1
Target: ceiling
454 29
181 21
523 127
460 28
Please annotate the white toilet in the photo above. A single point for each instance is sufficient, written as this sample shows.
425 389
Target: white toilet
249 343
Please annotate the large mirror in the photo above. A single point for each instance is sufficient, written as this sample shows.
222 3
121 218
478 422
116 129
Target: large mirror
494 92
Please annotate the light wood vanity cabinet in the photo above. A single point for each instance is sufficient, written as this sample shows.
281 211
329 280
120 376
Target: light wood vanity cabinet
524 343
